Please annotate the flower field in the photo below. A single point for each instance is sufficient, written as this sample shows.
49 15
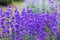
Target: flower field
35 21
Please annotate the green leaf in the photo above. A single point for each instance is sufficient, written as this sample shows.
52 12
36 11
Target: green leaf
52 38
25 37
47 30
9 39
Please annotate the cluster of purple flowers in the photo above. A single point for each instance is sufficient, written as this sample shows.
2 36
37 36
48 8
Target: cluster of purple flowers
27 25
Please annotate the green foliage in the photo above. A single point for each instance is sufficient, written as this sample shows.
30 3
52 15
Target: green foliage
52 38
25 37
9 38
19 0
5 2
48 30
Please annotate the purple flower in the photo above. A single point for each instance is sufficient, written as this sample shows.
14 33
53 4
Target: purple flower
29 23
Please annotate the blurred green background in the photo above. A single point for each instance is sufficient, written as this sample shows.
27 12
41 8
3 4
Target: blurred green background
7 2
14 3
